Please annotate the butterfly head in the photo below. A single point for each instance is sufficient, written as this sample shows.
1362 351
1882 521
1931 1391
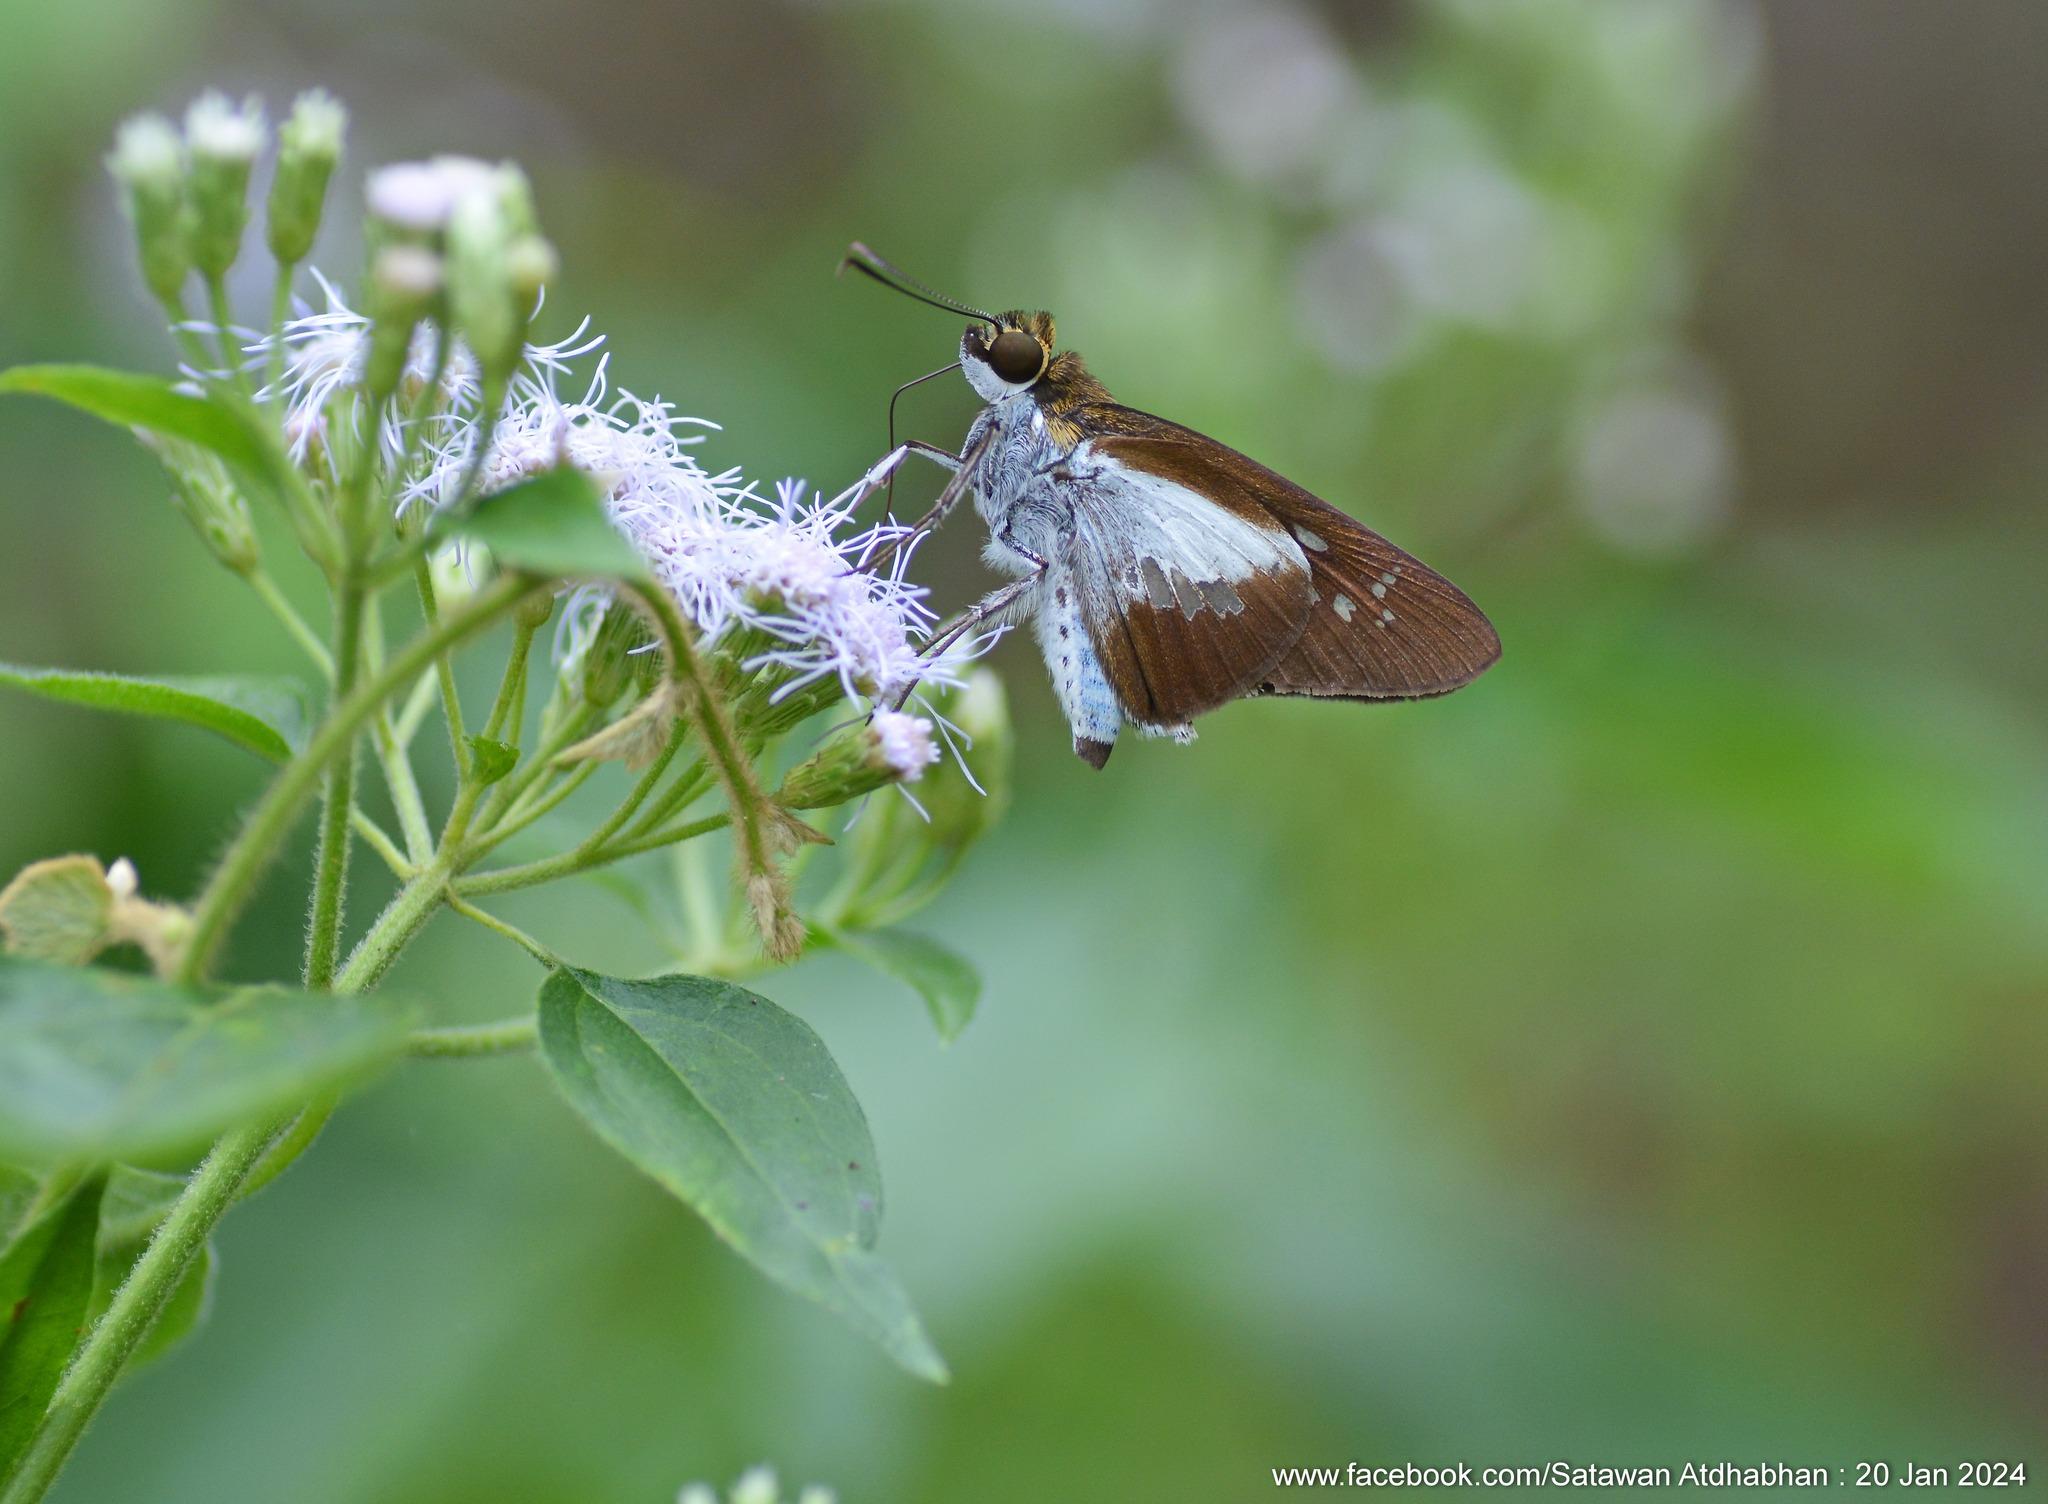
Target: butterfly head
1008 354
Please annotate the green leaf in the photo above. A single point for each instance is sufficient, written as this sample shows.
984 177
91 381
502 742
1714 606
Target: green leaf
45 1289
945 979
553 524
61 909
215 423
97 1065
265 715
18 1188
734 1105
492 759
136 1202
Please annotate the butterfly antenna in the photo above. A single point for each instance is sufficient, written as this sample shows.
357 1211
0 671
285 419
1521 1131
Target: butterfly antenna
953 365
865 261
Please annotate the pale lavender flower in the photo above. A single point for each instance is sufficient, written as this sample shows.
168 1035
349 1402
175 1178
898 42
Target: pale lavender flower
905 743
422 196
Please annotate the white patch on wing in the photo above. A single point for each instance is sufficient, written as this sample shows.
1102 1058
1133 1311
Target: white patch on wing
1341 604
1174 546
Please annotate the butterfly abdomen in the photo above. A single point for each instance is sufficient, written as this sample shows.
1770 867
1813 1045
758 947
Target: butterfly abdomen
1084 691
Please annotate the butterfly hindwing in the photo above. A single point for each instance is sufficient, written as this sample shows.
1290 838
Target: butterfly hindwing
1379 623
1189 598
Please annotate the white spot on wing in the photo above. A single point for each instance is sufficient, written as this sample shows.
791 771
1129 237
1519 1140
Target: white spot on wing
1379 591
1341 604
1309 539
1385 617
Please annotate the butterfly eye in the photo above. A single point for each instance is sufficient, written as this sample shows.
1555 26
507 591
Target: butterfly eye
1016 357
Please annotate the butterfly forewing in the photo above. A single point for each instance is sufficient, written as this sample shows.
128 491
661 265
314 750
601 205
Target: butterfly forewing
1189 599
1379 623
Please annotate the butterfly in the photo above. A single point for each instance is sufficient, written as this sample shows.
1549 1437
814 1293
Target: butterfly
1166 574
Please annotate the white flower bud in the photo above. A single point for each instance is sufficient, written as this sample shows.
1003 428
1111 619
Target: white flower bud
483 296
532 264
891 747
148 162
407 274
421 196
216 129
756 1486
224 142
148 156
309 146
122 879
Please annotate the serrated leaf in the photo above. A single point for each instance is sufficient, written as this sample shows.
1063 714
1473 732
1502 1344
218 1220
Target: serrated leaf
553 524
46 1280
945 979
97 1066
735 1106
265 715
58 910
136 1202
215 423
491 760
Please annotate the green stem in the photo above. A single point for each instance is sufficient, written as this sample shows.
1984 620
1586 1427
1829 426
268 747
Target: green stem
392 756
511 699
405 789
691 782
504 800
280 306
330 862
634 799
518 818
510 931
547 870
444 672
294 624
223 331
468 1041
136 1306
374 837
404 917
705 708
268 823
413 714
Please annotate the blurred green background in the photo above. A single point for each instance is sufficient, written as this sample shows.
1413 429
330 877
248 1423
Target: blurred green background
1634 1058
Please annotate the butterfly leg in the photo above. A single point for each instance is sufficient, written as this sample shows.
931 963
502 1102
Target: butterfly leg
991 607
957 486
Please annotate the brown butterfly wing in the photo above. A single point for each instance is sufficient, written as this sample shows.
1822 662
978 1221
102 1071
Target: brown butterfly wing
1189 597
1382 625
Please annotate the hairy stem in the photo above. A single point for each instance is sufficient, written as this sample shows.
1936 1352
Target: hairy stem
135 1308
272 818
444 673
510 931
467 1041
754 840
330 862
547 870
294 624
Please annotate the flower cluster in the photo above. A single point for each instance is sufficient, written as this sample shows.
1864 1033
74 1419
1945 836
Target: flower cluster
815 595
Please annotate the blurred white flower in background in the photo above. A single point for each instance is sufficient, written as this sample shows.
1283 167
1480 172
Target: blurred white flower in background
757 1485
1654 469
1265 88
